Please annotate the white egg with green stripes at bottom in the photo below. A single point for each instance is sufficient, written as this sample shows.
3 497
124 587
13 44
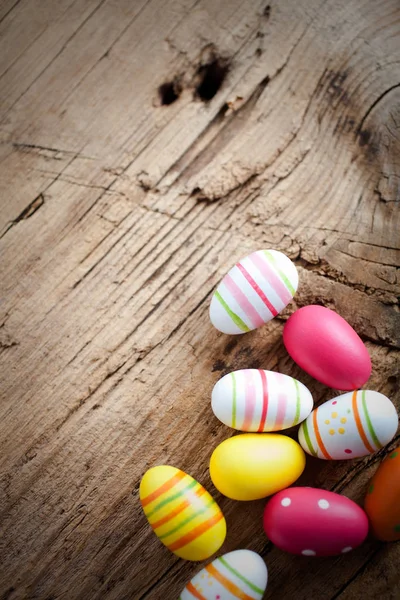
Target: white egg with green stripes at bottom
253 292
350 426
238 574
258 400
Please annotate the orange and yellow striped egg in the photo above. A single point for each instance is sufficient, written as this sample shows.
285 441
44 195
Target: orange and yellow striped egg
239 574
258 400
253 292
183 515
382 503
349 426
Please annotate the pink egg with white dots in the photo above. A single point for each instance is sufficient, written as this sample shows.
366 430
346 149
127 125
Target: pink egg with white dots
314 522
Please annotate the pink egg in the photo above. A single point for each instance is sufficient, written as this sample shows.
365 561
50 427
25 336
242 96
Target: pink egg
323 344
314 522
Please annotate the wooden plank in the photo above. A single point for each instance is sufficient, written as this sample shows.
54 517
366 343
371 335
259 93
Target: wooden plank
123 203
39 31
6 7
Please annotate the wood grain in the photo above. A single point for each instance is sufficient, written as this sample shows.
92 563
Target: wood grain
144 147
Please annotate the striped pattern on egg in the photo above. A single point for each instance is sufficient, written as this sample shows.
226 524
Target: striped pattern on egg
350 426
254 291
259 400
183 515
239 574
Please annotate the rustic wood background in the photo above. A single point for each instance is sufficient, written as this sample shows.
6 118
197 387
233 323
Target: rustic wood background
144 147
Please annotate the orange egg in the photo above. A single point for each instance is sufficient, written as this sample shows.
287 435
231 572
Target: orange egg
382 502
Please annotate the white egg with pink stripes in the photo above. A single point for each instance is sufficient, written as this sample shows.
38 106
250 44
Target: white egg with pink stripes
258 400
253 292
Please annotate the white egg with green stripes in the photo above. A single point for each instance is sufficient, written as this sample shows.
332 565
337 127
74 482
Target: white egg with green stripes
259 400
238 574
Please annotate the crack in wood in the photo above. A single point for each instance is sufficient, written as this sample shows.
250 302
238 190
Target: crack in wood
246 107
324 269
39 200
360 129
369 260
22 146
26 213
9 10
85 185
215 124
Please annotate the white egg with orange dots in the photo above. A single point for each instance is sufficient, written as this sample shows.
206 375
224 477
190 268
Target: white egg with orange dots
350 426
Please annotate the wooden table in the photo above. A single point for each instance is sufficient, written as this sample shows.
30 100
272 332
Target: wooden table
145 147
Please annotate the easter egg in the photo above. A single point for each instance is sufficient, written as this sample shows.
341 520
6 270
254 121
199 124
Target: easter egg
382 503
254 291
257 400
183 515
352 425
238 574
323 344
254 465
314 522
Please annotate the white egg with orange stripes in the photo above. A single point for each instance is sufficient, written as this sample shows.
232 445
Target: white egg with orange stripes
258 400
253 292
238 574
350 426
183 515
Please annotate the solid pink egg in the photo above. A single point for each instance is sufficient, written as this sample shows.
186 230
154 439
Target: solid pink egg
323 344
314 522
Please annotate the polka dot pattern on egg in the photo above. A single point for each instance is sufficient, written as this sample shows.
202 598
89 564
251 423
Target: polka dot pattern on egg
318 522
369 427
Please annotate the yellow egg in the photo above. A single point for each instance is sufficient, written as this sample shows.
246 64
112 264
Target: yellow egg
255 465
182 513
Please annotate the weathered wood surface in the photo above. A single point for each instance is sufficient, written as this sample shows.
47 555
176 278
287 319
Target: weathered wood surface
119 214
